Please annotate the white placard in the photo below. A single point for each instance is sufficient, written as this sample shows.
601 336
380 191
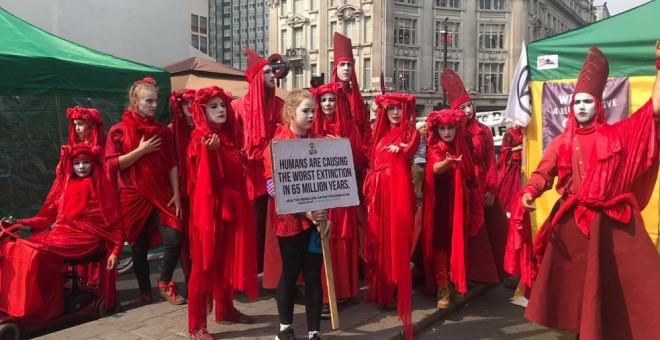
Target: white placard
313 174
497 122
547 62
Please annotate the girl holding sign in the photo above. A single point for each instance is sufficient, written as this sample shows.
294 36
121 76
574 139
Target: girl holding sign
221 225
453 205
333 120
391 201
297 238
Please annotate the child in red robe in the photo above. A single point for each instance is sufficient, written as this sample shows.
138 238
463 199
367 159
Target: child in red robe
391 204
141 150
83 219
295 231
221 226
452 208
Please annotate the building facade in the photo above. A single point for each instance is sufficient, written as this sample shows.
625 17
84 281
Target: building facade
200 28
238 23
404 39
601 11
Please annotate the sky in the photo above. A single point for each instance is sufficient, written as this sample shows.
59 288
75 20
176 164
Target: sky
618 6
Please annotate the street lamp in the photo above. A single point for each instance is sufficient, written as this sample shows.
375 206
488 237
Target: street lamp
443 34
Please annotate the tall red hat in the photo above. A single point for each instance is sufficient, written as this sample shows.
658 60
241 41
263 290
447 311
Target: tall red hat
452 84
255 63
593 76
343 48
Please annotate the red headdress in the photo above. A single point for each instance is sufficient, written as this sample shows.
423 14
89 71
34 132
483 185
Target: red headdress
341 126
592 80
343 51
202 127
456 118
452 84
259 103
93 119
382 125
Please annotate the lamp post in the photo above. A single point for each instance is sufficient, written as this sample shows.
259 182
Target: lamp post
443 33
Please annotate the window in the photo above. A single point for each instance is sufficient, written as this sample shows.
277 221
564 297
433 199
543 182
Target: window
492 4
404 31
227 43
227 56
314 37
453 34
350 30
448 3
332 3
285 41
226 9
194 23
298 77
331 31
312 5
439 67
298 6
491 77
404 74
283 9
194 40
408 1
367 30
366 74
491 36
314 69
298 40
203 23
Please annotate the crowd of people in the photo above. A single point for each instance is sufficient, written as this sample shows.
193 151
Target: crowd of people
432 195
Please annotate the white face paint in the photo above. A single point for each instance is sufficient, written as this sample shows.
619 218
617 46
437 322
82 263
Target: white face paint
468 108
345 71
81 128
216 111
82 167
584 107
394 115
303 117
269 76
186 105
447 132
328 104
146 102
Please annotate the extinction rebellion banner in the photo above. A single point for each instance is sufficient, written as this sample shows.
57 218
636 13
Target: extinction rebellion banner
557 101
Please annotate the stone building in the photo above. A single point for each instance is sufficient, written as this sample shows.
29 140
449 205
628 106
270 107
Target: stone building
404 40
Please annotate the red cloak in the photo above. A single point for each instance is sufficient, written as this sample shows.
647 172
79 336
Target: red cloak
508 176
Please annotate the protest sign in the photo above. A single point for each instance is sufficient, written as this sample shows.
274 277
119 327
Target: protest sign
313 174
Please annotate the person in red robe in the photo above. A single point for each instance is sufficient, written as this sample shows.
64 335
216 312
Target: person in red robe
489 245
593 268
508 176
258 114
182 126
391 204
453 205
297 234
141 150
221 227
82 219
344 73
333 121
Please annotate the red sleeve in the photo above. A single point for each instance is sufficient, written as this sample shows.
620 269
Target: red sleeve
491 165
114 148
541 179
170 151
268 166
47 214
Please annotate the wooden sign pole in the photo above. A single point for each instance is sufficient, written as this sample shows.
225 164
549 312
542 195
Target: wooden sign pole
329 277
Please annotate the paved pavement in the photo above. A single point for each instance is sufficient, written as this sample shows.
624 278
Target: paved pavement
490 316
164 321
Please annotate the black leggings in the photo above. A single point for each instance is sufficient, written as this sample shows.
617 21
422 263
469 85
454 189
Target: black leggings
296 257
171 241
